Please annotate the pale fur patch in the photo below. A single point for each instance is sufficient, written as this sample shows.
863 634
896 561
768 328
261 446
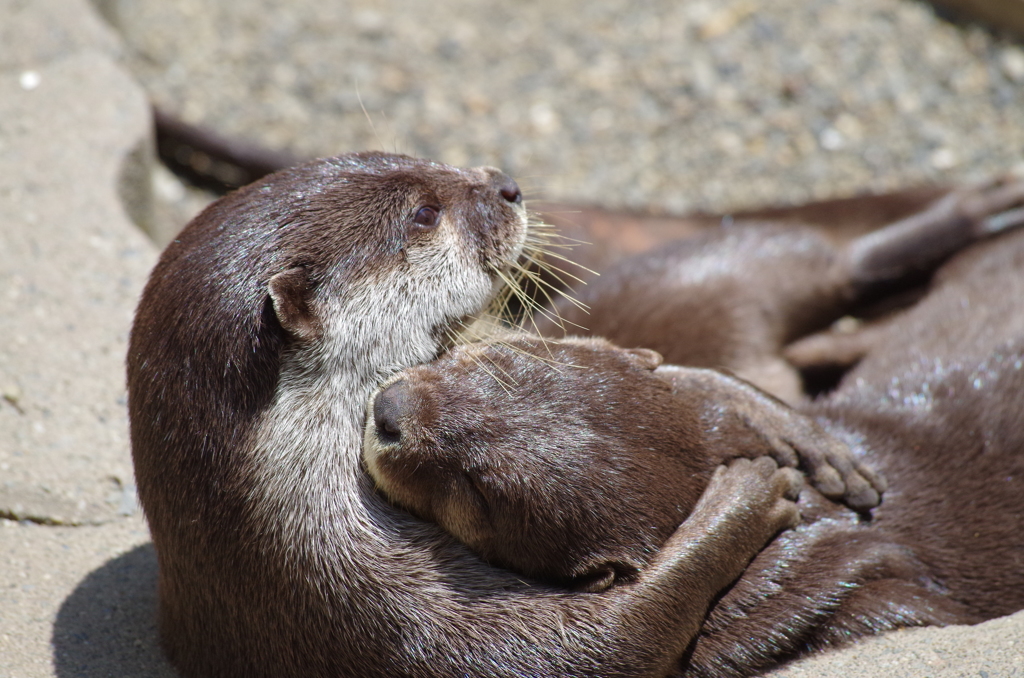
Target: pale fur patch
308 444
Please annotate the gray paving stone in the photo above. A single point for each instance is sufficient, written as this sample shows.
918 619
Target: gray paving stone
78 602
71 267
74 601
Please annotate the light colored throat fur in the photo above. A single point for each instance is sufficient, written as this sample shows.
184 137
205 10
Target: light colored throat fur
307 446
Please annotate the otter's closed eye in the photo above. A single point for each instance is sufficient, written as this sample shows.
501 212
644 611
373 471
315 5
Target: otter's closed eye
427 217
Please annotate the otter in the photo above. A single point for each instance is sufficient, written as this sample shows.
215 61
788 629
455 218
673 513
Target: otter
581 457
732 298
570 461
263 329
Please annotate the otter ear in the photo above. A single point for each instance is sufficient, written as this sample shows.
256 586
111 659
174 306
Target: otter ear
603 576
289 292
643 358
596 580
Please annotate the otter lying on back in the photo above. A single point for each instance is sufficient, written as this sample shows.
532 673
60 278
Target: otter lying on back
573 461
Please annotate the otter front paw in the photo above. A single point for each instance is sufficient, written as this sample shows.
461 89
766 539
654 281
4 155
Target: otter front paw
796 440
749 422
757 492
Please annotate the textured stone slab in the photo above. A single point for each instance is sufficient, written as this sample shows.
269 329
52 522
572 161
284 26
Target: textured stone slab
71 266
78 602
712 104
994 649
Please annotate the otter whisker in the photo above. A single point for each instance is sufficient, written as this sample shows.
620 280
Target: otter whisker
551 312
555 255
551 362
532 304
542 284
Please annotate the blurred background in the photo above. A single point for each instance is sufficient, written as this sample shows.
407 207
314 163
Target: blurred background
664 105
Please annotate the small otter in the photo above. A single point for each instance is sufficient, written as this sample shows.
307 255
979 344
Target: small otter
577 472
732 298
262 331
572 461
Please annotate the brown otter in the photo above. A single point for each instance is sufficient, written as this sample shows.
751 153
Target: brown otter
570 461
584 483
262 331
734 297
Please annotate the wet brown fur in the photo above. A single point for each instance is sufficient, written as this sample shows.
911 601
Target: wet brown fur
733 297
262 331
934 405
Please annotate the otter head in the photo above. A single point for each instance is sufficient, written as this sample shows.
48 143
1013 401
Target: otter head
543 457
386 253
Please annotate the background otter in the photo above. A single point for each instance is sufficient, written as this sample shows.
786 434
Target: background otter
935 406
262 331
734 297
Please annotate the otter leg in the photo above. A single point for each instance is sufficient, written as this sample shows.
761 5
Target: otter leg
745 505
924 240
822 585
837 349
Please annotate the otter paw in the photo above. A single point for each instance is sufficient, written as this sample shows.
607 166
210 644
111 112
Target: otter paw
758 488
830 464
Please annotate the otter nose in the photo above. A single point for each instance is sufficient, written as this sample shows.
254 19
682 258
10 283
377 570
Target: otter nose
509 190
387 411
505 185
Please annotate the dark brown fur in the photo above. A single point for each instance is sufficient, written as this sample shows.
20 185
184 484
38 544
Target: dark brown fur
516 449
263 329
936 406
734 297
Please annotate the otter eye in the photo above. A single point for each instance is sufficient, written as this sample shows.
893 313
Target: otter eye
426 217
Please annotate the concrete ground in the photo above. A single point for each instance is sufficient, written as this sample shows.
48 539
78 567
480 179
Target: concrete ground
689 104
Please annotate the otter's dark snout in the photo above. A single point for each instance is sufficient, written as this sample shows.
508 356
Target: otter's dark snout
506 187
387 411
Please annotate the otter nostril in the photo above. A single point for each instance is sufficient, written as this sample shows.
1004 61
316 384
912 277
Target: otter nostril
387 412
509 190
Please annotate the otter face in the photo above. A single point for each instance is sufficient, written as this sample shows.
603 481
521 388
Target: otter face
283 304
383 254
538 456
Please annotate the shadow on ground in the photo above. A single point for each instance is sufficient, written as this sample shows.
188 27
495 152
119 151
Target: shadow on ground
107 626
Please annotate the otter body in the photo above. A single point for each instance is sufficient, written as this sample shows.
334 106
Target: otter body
733 297
262 331
936 407
593 471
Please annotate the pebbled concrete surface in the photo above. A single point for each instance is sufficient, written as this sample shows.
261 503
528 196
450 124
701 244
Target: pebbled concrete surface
547 100
76 593
710 104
